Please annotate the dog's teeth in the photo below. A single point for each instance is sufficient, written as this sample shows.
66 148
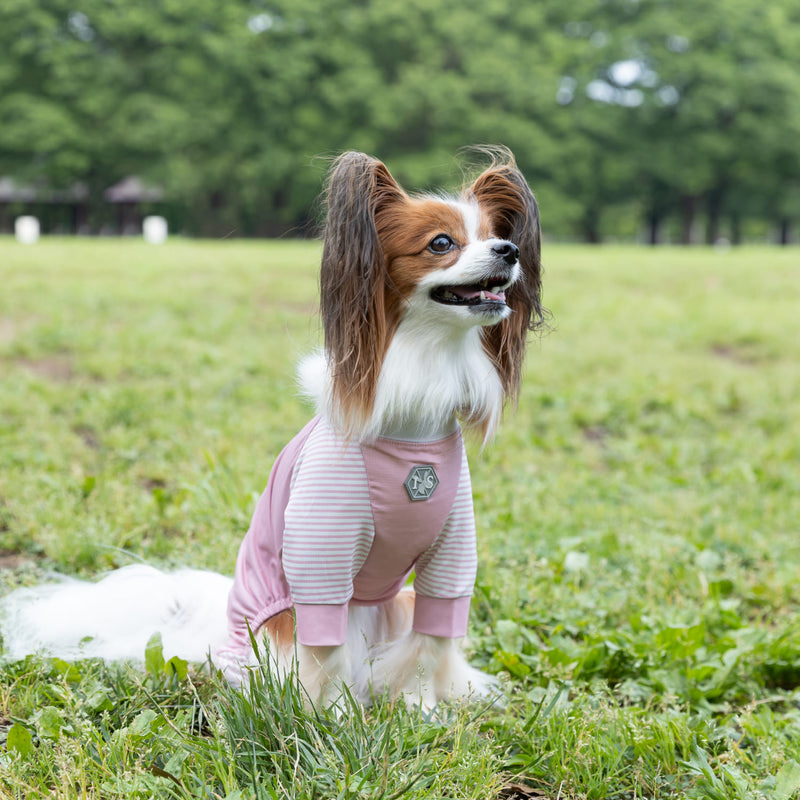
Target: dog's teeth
483 295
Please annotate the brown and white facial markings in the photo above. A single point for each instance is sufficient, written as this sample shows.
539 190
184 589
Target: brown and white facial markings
444 252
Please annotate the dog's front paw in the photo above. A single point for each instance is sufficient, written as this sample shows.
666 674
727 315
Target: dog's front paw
419 694
457 680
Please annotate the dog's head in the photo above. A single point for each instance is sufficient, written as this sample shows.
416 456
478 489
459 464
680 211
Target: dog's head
459 262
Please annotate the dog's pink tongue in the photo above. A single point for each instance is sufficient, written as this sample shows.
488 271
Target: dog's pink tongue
476 293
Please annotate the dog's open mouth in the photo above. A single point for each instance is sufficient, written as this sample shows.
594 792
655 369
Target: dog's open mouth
488 292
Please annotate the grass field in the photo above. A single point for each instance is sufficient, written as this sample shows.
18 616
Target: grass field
638 522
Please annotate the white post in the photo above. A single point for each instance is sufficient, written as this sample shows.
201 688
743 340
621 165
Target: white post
26 229
154 230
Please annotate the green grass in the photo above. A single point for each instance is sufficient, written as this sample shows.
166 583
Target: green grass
638 522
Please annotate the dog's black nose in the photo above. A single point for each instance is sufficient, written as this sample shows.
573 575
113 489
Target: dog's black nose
508 251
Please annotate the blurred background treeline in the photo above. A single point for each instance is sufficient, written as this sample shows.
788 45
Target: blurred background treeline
657 120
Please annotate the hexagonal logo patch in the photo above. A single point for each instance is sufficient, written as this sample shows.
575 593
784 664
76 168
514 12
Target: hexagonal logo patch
421 482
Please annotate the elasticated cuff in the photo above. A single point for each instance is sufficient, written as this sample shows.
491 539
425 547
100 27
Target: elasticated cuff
321 626
446 617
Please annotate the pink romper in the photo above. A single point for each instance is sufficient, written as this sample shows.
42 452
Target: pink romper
341 522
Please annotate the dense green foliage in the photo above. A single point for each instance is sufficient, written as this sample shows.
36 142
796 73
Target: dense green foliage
637 521
625 115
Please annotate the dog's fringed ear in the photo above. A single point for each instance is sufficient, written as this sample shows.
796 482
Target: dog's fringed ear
353 279
502 190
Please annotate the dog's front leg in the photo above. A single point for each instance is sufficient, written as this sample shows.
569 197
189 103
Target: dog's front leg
323 671
425 669
408 667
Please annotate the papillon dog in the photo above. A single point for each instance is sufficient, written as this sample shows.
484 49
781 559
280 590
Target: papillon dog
426 303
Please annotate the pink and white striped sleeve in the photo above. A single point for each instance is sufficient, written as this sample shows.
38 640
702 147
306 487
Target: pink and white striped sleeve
445 573
327 535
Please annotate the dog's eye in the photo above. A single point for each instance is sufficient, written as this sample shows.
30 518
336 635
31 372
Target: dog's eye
441 243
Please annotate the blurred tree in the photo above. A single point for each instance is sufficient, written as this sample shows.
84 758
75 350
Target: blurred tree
712 101
665 106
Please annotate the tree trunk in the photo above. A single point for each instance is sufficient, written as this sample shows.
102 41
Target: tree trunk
714 213
591 226
688 204
785 234
653 221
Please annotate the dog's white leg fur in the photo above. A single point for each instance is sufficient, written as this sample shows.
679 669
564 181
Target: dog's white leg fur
392 658
455 678
323 671
425 670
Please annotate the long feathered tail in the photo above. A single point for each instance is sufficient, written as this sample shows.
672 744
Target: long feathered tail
115 617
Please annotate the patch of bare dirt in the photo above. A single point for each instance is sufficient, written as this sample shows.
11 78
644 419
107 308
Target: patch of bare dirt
58 368
88 435
595 433
746 355
12 560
